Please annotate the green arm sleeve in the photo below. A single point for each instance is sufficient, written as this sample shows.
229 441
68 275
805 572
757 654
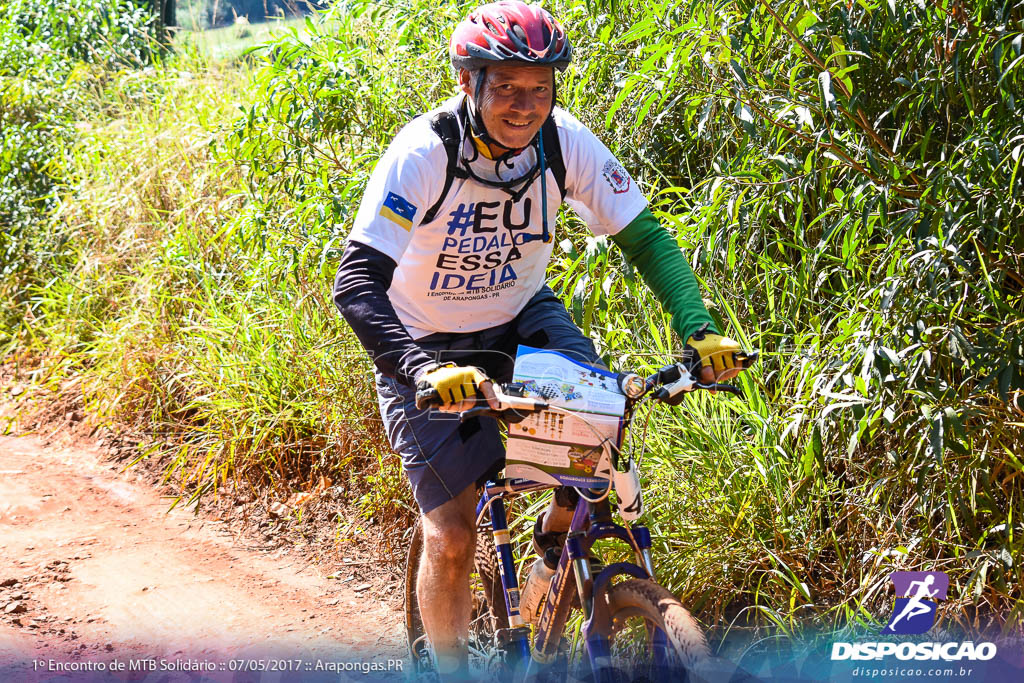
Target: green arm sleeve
651 250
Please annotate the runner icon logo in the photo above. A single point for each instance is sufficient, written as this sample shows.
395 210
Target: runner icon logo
914 613
916 595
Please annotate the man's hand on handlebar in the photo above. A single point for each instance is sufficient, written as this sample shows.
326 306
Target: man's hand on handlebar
721 358
485 389
457 389
708 375
453 388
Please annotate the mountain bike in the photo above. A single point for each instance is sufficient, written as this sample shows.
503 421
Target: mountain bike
633 628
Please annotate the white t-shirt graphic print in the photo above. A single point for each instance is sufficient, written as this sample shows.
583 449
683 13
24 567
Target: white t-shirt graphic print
474 265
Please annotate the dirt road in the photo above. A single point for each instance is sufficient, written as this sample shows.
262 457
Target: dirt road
95 573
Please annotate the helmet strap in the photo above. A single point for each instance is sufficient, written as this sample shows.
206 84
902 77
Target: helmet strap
476 121
481 138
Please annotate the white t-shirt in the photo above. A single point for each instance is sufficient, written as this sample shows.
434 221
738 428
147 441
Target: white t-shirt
459 272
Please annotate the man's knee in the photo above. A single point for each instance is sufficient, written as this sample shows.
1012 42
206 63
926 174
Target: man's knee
566 498
450 531
451 541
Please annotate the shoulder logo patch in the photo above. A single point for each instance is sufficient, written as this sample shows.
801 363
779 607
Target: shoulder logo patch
398 209
616 176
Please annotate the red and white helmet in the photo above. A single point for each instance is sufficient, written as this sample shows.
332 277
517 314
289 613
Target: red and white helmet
509 31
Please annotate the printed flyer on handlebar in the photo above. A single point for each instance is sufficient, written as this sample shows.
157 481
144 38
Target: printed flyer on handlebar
570 443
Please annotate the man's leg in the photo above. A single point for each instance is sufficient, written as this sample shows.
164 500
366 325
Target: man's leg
443 459
449 539
558 515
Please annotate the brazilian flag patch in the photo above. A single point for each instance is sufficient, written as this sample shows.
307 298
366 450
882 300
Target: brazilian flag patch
398 209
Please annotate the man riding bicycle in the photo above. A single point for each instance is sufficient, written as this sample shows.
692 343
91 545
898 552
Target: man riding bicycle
443 277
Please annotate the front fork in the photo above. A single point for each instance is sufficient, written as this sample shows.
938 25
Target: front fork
516 640
597 621
596 520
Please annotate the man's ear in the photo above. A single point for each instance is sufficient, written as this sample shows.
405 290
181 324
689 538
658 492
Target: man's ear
466 81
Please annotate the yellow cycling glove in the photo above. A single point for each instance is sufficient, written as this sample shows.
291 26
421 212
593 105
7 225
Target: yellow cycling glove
714 350
453 384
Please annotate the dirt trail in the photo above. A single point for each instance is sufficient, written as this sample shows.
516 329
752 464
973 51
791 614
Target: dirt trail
93 568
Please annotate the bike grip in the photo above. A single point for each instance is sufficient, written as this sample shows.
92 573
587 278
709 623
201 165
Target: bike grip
745 359
426 398
529 405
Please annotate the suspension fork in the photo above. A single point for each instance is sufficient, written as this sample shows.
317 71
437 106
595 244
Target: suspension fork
518 636
597 624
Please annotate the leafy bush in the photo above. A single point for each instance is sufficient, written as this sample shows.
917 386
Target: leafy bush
853 171
43 86
327 105
48 39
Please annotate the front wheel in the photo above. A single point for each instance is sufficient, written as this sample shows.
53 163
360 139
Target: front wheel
653 637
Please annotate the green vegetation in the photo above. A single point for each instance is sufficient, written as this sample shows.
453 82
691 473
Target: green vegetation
230 42
49 72
197 15
845 176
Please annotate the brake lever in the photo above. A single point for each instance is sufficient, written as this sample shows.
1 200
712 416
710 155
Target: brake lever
718 386
672 393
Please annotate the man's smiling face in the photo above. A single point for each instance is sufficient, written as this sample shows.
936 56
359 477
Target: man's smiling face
514 101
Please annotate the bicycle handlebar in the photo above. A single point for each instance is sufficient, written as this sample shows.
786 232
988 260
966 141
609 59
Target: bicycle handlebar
510 398
668 385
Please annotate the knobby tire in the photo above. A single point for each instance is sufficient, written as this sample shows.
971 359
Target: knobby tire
655 604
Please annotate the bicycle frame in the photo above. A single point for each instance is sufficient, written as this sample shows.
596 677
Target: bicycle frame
590 523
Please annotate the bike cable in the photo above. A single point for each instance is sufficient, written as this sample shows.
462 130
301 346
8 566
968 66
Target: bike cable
643 439
602 441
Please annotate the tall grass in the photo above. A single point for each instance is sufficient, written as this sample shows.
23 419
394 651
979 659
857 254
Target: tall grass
232 42
177 310
844 177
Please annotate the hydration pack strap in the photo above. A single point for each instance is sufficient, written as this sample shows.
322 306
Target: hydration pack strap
553 153
446 126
